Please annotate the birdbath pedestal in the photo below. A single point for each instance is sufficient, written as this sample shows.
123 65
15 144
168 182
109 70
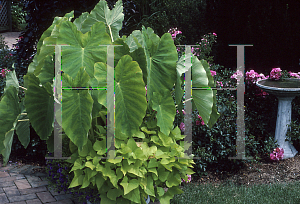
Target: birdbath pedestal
285 90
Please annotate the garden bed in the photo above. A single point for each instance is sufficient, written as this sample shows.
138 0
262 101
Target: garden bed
265 172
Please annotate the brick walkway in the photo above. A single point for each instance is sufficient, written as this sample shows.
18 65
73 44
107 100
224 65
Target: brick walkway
19 186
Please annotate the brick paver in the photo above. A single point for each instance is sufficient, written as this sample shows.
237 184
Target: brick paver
6 184
21 202
33 190
20 169
3 198
45 197
34 201
22 184
5 179
4 174
22 197
11 191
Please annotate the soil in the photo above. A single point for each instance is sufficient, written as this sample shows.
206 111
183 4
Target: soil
264 172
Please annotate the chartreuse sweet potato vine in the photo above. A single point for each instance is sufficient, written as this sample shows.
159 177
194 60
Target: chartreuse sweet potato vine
150 147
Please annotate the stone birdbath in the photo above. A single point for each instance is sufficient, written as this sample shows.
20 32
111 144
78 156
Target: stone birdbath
285 90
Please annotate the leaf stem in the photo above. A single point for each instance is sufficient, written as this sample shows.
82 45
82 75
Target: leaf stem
23 120
22 87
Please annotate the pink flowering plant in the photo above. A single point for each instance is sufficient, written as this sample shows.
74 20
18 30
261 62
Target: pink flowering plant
176 35
277 154
202 51
188 180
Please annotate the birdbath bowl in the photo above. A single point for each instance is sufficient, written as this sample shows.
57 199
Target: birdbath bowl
285 90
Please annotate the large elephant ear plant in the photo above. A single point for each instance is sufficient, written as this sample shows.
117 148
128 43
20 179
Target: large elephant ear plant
150 147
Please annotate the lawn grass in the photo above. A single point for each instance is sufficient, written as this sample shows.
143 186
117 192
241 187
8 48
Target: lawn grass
229 193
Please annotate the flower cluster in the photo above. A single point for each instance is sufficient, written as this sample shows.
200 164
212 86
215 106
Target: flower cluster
237 75
277 154
203 50
189 179
174 32
4 72
295 75
253 76
275 73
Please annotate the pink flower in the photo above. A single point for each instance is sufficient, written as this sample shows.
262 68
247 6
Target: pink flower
4 72
237 75
219 83
253 76
213 73
174 32
296 75
277 154
189 179
198 121
182 126
275 73
272 156
214 34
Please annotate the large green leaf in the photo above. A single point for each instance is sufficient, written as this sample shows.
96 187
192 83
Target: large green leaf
7 143
120 51
131 104
203 99
112 18
130 93
47 72
214 115
77 109
9 112
39 103
46 44
139 56
11 80
79 21
164 105
84 50
135 40
22 130
161 57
